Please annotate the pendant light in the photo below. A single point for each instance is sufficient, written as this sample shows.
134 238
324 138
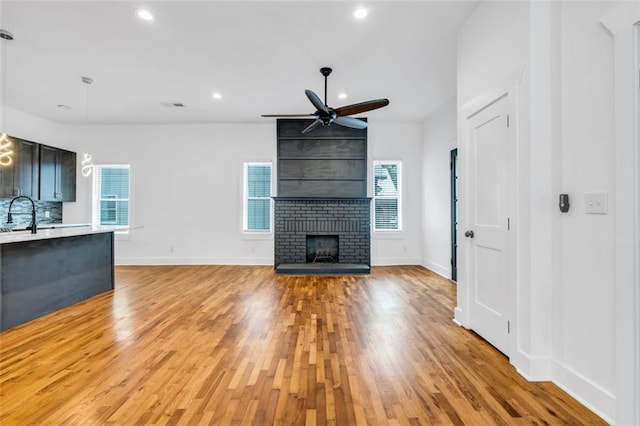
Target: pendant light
6 146
87 163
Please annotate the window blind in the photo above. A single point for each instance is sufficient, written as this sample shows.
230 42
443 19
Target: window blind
387 196
114 195
258 197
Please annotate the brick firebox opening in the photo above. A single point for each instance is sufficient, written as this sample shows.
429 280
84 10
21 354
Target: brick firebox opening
322 248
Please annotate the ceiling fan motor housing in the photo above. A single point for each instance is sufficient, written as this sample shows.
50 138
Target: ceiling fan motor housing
326 71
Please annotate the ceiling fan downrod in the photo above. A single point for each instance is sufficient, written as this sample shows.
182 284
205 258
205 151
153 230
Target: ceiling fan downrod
325 71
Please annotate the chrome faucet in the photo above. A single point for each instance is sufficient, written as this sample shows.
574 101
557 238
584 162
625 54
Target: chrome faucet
33 212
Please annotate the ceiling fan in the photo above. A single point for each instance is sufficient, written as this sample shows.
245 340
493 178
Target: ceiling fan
326 115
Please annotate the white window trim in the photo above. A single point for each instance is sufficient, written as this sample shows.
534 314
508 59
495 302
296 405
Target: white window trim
388 232
255 234
95 198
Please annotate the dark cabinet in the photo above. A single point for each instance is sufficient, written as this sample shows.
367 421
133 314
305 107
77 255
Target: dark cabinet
57 174
21 176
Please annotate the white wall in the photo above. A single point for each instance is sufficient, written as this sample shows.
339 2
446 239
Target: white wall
438 141
187 186
622 22
493 42
186 189
30 127
399 141
586 333
565 307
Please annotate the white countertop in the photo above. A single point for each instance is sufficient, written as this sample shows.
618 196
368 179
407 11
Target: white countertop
60 231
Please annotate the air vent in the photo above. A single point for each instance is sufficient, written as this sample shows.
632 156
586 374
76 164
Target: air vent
172 104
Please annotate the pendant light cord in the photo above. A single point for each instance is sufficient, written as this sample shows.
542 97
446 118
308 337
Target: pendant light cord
88 81
4 86
87 164
86 107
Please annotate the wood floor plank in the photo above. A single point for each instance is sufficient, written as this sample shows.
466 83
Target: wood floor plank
242 345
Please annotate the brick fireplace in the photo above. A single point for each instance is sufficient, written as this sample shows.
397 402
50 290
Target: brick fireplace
348 219
322 199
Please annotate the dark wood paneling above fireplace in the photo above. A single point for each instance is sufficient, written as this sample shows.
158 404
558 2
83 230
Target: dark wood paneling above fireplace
326 162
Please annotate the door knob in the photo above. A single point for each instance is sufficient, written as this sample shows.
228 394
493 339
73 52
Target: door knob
468 234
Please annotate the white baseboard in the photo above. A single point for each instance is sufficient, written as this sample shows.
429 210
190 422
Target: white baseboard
460 318
193 261
236 261
589 394
532 368
443 271
242 261
392 261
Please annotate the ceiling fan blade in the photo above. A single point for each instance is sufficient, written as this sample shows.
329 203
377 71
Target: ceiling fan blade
354 123
313 125
361 107
288 115
315 100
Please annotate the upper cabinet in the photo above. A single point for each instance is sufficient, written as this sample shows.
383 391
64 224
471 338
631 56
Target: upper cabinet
21 177
57 174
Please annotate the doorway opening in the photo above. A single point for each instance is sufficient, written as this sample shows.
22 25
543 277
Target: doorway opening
453 166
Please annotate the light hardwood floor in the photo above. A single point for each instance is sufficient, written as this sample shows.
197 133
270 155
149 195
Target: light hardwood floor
241 345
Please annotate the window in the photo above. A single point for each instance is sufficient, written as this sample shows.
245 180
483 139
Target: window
111 195
257 197
387 195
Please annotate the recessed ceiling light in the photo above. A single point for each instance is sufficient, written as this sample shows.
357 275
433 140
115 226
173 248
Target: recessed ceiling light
217 96
360 13
144 14
342 95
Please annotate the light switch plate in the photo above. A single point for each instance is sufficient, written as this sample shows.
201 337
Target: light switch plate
595 203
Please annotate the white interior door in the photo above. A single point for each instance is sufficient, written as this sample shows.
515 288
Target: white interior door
488 223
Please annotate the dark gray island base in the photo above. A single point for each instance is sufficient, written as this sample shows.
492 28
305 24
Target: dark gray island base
39 276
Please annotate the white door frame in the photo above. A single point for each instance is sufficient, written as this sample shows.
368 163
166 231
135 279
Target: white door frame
636 231
507 87
623 23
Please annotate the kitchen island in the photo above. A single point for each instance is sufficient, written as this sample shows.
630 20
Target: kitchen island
54 268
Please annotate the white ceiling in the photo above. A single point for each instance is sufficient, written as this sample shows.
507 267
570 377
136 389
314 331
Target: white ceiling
260 56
